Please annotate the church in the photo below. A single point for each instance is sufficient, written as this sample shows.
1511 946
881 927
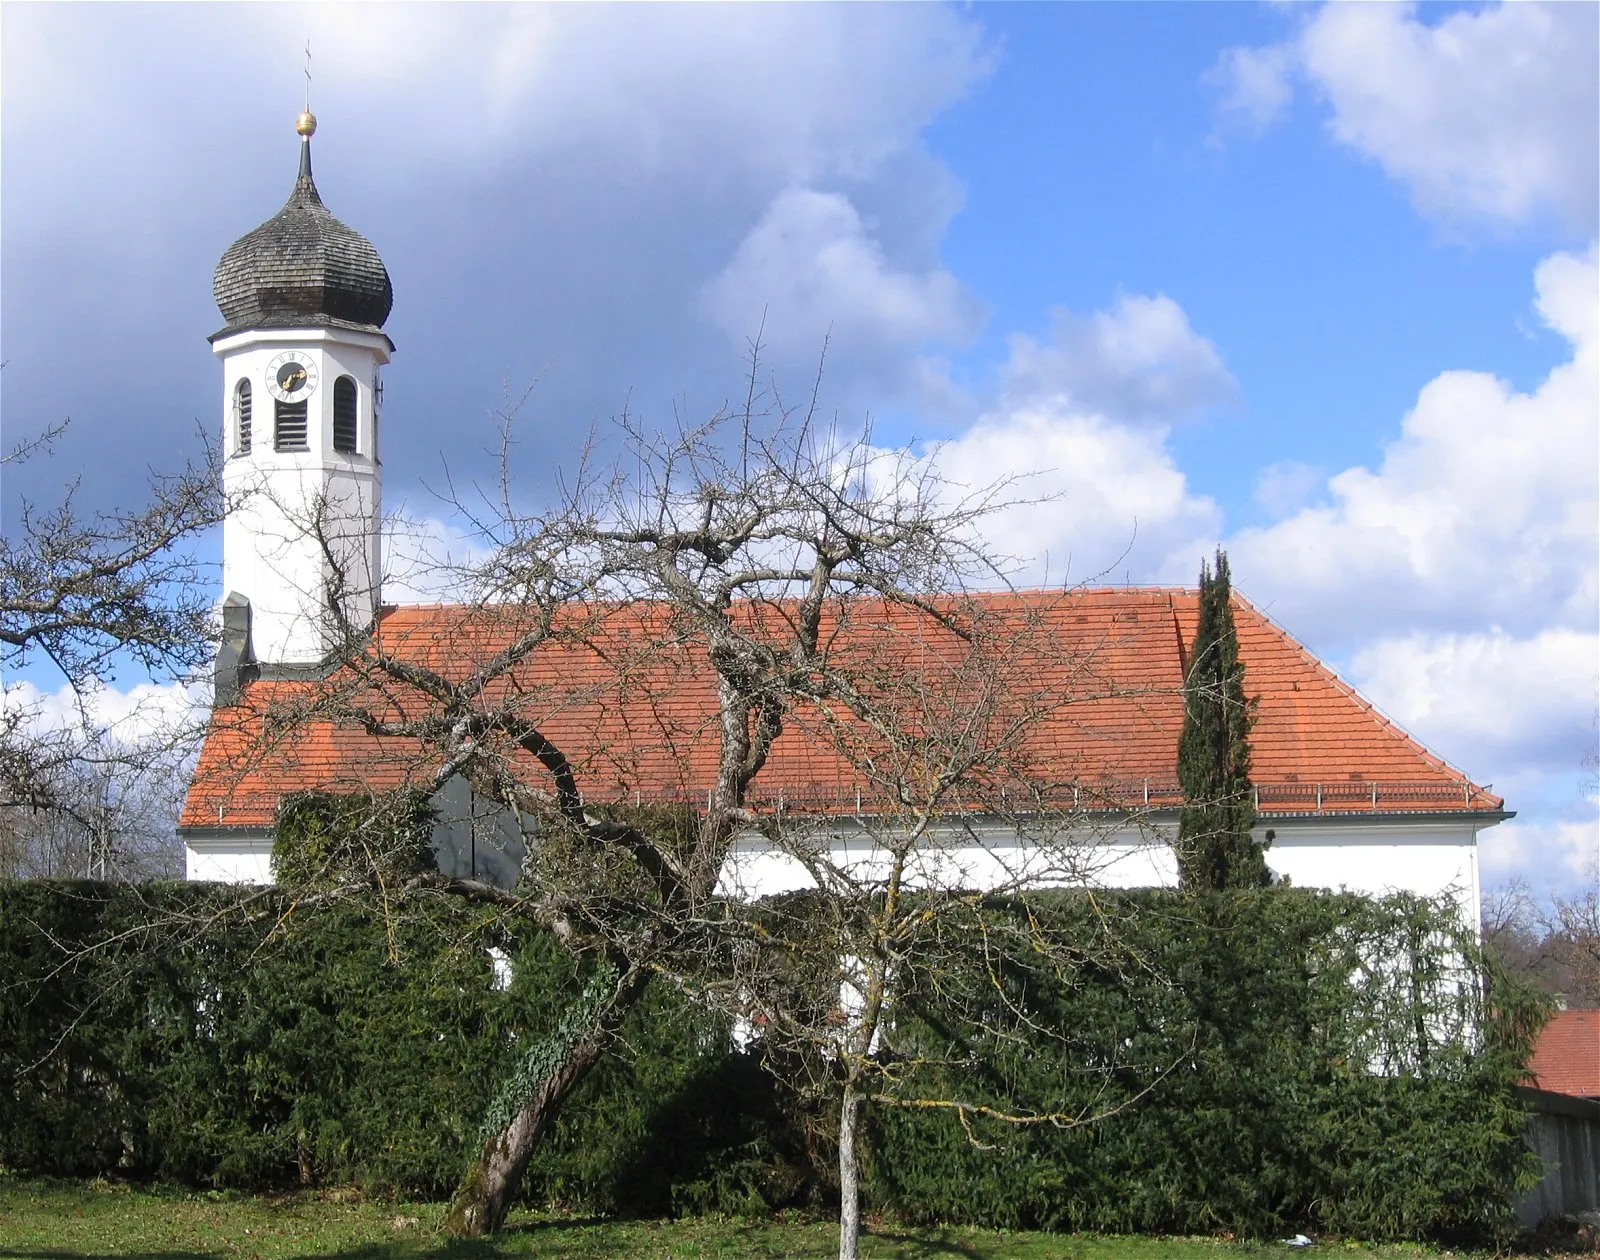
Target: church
1346 798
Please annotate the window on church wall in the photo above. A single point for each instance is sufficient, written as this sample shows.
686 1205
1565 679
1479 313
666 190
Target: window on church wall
241 418
344 415
289 425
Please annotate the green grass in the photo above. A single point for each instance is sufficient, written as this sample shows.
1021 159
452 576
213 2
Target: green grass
44 1220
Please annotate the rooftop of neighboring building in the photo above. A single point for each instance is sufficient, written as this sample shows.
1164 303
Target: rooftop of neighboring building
1566 1054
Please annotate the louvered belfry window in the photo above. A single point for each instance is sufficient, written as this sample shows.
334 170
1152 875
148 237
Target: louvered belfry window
289 425
241 416
344 415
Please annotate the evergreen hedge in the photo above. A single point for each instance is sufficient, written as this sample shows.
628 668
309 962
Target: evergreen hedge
1322 1062
155 1032
1319 1061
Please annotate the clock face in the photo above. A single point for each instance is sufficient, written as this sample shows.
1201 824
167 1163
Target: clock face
291 376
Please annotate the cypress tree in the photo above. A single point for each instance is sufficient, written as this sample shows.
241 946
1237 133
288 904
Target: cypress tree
1215 848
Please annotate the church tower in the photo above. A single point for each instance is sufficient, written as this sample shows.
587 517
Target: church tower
305 299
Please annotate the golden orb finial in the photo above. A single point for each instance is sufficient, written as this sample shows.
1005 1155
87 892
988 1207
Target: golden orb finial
306 124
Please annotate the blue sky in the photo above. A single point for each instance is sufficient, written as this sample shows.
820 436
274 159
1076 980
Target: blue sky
1314 283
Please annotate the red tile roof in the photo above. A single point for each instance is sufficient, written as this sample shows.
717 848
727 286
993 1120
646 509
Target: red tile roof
1566 1056
643 726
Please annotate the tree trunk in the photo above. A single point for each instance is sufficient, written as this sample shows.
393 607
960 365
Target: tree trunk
481 1204
551 1070
849 1175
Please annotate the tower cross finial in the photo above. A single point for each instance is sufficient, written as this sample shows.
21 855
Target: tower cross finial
306 124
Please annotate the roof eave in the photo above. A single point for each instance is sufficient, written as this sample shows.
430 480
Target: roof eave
312 321
224 831
1164 814
1488 817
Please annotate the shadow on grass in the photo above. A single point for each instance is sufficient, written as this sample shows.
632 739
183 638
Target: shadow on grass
52 1253
410 1249
555 1223
732 1239
913 1247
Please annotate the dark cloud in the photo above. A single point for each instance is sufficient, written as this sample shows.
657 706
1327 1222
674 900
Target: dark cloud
551 188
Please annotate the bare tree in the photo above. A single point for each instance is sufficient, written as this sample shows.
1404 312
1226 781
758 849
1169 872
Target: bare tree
83 592
716 560
1554 943
1574 927
920 890
104 802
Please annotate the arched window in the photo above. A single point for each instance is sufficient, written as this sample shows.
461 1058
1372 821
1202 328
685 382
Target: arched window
344 415
289 425
241 417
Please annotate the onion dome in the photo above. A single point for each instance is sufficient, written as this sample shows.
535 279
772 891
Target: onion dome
302 268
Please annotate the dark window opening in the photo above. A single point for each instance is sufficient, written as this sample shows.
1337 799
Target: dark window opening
289 426
241 415
344 415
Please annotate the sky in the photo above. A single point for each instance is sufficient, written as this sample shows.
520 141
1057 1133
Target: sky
1315 284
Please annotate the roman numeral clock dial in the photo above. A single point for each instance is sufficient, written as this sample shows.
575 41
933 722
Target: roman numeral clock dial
291 377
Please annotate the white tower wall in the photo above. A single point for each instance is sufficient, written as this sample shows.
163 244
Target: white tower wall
302 524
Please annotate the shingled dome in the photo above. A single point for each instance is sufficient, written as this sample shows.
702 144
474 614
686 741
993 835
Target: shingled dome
302 268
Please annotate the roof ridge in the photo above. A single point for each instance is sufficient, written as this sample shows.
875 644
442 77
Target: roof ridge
1021 592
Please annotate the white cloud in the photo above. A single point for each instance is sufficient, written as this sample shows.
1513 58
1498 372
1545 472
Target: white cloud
570 176
1458 579
812 270
802 92
1486 115
428 560
1482 512
1100 499
1286 486
1257 83
1515 713
1080 431
144 712
1556 855
1139 363
1489 699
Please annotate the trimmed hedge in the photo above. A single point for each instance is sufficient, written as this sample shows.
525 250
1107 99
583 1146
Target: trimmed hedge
1342 1065
1319 1061
142 1036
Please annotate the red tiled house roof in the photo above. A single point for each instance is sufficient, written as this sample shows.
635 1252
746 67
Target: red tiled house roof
1566 1055
647 730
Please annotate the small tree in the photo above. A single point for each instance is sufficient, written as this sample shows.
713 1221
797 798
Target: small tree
85 592
930 893
1215 847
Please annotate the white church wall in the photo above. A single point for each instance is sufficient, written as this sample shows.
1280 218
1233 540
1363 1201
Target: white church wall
1372 857
1429 858
1422 857
229 859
